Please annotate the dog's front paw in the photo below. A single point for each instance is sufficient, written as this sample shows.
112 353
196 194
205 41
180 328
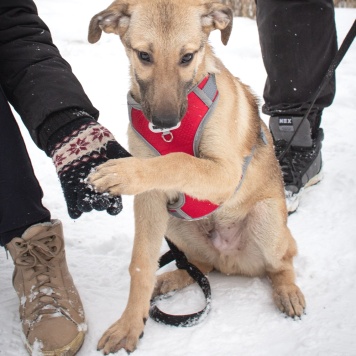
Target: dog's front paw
290 300
118 176
123 334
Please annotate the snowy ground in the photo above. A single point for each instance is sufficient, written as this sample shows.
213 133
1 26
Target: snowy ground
243 320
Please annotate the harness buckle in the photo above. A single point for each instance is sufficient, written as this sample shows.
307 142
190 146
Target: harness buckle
156 129
167 135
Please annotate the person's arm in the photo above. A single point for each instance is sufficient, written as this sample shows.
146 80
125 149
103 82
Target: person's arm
37 81
40 85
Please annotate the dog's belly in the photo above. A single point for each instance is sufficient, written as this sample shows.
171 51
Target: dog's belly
236 252
231 245
227 238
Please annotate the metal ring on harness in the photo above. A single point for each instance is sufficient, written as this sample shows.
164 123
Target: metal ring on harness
182 263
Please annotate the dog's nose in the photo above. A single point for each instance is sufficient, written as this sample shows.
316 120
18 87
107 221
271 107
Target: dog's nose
165 122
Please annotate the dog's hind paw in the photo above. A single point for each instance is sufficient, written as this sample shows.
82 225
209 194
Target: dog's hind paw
290 300
171 281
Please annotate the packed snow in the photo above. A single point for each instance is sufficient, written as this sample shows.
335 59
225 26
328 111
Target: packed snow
243 319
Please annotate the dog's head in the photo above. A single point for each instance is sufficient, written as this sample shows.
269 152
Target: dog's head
166 43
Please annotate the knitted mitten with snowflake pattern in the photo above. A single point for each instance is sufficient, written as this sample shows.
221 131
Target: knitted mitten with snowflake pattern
76 149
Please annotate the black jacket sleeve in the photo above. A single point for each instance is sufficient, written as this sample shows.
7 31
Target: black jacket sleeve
36 80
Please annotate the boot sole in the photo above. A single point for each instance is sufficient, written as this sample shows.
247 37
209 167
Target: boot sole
294 200
69 350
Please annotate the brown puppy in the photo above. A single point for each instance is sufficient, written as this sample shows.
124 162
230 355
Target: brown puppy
234 165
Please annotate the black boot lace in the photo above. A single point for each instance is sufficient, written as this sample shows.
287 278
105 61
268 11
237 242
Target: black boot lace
297 160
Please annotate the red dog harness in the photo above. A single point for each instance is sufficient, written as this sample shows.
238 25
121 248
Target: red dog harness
185 137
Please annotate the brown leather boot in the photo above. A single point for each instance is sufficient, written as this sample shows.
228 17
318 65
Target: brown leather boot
51 311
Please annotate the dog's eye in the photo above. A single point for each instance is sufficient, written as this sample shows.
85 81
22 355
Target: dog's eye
144 56
187 58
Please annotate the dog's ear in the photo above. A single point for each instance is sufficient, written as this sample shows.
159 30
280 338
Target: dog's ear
218 17
115 19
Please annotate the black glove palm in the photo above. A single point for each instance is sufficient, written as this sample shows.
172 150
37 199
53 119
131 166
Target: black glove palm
76 149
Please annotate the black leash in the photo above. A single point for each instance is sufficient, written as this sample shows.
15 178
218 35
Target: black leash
329 73
182 263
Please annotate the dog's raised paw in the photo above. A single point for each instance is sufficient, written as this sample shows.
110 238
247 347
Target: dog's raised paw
118 176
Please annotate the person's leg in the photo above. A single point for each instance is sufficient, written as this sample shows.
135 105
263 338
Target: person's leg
20 193
298 42
51 311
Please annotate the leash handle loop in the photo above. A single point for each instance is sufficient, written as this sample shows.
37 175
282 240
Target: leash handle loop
182 263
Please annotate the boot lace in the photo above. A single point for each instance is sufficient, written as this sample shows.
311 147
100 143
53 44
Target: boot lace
296 161
39 255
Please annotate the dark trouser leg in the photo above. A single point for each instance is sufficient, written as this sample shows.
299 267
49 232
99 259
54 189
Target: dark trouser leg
298 42
20 193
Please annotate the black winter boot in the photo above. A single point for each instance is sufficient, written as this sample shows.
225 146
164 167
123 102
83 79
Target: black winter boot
301 164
